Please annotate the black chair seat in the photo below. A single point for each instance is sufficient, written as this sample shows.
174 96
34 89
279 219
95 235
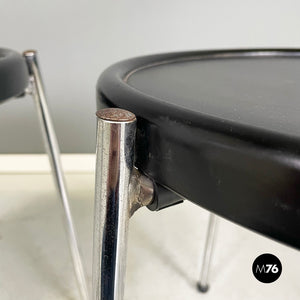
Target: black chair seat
13 74
220 128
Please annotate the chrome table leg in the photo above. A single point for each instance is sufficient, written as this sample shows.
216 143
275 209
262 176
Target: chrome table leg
203 283
54 158
119 191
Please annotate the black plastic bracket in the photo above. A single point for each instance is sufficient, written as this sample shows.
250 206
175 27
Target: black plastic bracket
163 198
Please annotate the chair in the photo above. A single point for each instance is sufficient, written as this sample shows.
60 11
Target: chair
20 75
218 128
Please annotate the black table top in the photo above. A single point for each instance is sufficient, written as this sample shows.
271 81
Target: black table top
220 128
255 91
14 77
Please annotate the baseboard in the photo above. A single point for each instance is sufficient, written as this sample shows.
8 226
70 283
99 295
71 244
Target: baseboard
38 163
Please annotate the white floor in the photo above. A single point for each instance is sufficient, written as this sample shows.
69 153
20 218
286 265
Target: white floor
164 252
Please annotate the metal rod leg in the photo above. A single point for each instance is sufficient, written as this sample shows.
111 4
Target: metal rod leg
203 283
114 165
54 157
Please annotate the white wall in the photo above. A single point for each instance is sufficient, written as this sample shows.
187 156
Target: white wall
77 39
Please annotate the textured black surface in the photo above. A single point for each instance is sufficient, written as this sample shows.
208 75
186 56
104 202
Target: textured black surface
13 74
219 128
260 92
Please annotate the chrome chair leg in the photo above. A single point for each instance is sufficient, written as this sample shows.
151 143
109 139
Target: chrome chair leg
119 191
53 151
114 164
203 283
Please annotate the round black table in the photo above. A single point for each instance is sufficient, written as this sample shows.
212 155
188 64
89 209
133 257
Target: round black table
219 128
14 77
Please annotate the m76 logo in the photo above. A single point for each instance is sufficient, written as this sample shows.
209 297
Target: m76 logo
266 268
